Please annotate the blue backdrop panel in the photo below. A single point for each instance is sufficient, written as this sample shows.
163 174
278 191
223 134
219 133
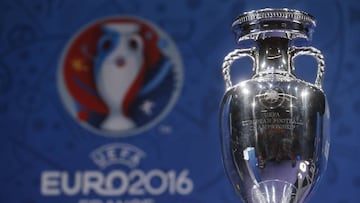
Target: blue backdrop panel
54 148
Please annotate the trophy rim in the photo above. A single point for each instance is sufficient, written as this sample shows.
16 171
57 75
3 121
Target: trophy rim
294 15
268 22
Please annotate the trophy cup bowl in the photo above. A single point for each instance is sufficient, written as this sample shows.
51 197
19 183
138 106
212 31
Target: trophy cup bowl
274 135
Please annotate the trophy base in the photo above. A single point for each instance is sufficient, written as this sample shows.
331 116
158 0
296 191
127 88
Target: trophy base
117 122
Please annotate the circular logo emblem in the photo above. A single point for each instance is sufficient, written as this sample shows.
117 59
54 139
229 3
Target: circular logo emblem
272 97
119 76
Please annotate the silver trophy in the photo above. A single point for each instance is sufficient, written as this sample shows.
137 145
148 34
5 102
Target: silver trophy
274 135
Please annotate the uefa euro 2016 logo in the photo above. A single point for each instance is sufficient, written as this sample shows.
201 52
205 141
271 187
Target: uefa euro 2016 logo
119 76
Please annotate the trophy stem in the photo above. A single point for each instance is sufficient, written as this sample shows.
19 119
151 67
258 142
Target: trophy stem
273 191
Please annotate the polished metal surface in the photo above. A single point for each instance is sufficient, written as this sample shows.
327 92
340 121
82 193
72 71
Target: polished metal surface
274 126
276 22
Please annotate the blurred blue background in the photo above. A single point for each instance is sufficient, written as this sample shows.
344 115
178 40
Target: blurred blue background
37 134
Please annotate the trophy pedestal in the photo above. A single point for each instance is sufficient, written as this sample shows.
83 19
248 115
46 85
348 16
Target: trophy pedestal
117 122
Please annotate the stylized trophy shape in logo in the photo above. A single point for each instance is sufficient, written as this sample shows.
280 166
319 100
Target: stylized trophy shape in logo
118 64
120 75
274 126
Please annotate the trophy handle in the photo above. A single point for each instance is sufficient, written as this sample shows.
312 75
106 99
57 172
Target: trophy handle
230 58
296 51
